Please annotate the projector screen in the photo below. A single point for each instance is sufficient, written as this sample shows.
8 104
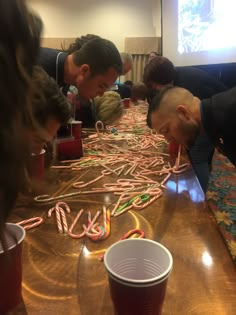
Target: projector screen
199 32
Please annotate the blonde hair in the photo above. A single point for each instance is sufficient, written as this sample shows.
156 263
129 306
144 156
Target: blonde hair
108 107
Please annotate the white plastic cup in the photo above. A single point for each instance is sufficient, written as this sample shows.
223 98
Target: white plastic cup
11 267
138 270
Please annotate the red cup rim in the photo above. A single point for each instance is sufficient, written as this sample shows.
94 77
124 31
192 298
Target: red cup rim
75 122
41 153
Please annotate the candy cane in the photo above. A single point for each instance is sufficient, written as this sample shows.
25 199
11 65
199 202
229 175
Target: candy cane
70 231
117 204
96 231
90 225
37 221
106 228
142 206
177 162
116 214
98 124
107 222
64 220
82 184
165 180
132 232
60 216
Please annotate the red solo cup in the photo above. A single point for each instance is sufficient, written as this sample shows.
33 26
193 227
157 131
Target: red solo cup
126 102
11 268
69 148
173 148
76 128
37 165
138 270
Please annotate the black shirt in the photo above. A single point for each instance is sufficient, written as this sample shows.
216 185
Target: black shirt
200 83
53 62
219 122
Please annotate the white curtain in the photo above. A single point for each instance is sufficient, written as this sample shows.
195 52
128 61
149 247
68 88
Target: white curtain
139 62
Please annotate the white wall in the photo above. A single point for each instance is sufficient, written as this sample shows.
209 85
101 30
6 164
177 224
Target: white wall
111 19
156 16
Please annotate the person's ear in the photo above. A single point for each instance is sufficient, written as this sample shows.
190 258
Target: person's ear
85 69
183 112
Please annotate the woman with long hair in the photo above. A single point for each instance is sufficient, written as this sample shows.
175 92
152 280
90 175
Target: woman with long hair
19 45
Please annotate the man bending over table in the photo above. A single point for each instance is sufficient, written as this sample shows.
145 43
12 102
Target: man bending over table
182 117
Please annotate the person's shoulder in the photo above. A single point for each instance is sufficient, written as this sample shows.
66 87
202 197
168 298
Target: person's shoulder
45 51
197 73
224 99
203 79
191 70
48 59
228 95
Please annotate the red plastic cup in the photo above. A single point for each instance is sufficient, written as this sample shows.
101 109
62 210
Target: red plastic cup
126 102
11 268
76 129
173 148
37 165
138 270
69 148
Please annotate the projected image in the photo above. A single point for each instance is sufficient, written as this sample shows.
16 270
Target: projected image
206 25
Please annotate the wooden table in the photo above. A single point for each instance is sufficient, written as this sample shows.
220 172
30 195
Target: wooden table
65 276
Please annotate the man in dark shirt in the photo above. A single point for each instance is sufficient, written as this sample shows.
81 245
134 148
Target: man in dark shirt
160 72
179 115
92 69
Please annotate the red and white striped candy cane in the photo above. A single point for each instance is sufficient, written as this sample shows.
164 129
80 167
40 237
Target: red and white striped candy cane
60 216
36 221
70 232
91 224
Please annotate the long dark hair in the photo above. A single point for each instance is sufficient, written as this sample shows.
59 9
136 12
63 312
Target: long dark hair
19 44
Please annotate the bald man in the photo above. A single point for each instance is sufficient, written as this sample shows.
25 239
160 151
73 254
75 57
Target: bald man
160 72
182 117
